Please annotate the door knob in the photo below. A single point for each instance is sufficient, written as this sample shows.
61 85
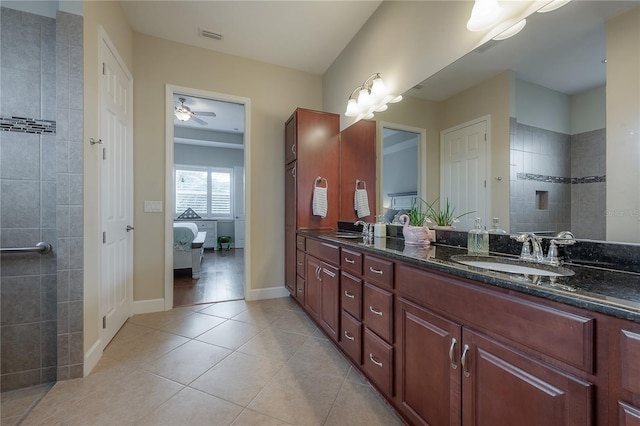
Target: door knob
129 228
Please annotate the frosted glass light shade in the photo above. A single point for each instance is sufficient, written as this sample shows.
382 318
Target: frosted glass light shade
352 108
511 31
484 15
182 115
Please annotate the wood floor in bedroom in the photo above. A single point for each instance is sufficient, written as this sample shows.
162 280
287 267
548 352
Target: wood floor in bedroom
221 279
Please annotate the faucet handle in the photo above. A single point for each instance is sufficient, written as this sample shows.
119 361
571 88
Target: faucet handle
563 242
520 237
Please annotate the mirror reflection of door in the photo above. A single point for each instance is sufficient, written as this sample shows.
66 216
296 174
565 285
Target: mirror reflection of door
209 179
401 169
463 170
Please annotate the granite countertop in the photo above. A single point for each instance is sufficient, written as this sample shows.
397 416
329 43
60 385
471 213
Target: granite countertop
610 292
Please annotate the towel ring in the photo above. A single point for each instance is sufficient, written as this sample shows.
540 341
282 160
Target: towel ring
358 182
319 179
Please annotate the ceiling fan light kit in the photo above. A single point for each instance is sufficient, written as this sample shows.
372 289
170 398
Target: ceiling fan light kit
184 113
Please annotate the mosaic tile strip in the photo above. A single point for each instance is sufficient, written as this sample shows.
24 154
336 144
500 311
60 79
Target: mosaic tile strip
27 125
558 179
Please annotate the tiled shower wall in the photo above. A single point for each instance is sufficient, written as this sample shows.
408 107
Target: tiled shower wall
40 197
540 162
571 169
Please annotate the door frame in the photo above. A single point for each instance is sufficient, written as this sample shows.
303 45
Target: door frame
105 41
170 90
487 165
422 158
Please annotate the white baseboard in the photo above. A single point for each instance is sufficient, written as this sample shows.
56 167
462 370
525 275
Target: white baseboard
92 357
148 306
267 293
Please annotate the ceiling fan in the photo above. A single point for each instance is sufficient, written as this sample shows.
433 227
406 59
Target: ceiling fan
184 113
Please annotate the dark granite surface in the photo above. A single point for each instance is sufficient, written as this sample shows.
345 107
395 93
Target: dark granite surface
607 291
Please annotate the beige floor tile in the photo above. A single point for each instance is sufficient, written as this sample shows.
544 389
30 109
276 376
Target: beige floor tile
231 334
318 334
238 378
191 407
251 418
278 303
159 319
17 403
11 421
130 331
260 315
359 405
303 399
145 348
274 344
187 362
38 417
122 403
192 325
295 322
226 309
320 356
356 376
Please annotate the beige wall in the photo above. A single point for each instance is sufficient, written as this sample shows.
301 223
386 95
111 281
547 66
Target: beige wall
492 98
623 137
109 15
274 93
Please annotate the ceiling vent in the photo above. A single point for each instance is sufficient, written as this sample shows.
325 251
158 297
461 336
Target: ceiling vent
210 34
418 86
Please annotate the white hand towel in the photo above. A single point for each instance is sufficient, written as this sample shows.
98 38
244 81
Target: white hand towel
320 201
361 201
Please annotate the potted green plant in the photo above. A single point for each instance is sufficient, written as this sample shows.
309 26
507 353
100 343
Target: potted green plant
445 218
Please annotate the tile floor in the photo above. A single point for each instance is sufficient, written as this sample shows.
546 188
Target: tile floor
240 363
221 279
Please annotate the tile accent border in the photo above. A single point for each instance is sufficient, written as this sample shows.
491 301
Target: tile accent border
558 179
28 125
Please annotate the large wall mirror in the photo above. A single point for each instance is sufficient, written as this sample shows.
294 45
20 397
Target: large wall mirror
545 91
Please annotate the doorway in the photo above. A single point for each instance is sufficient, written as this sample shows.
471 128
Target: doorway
207 144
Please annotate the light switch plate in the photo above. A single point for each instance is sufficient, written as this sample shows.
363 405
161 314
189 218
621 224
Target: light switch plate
153 206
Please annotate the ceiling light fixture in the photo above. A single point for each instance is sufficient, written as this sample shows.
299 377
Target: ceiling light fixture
182 112
553 5
484 15
511 31
372 97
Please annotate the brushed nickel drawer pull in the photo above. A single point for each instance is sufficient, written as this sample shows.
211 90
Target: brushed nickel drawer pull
346 259
349 295
379 313
299 290
463 361
454 365
300 263
348 336
375 271
373 360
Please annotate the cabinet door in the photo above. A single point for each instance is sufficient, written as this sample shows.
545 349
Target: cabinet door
290 259
312 297
501 386
427 365
330 300
290 196
378 311
290 139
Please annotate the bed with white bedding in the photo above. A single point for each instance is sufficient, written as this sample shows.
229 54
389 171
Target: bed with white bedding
188 247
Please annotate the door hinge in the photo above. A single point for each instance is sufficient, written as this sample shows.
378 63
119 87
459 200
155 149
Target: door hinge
485 137
104 321
104 68
104 153
485 183
104 238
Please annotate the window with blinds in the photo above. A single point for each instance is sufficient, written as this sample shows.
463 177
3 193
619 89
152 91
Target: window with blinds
206 190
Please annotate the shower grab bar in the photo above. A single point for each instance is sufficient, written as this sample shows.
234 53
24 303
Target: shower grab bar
41 248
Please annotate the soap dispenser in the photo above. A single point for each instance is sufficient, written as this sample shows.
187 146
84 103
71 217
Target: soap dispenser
495 227
380 227
478 240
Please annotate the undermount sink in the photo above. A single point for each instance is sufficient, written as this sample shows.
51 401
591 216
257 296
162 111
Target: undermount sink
349 235
512 266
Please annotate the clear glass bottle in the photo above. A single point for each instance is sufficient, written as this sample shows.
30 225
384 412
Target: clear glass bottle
478 240
495 227
380 227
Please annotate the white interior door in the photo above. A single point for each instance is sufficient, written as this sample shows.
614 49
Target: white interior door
238 220
463 172
116 287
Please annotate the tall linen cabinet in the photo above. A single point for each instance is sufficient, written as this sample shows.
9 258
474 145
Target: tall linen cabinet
312 151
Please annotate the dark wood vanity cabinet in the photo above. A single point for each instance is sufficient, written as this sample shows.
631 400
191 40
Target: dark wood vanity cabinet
625 374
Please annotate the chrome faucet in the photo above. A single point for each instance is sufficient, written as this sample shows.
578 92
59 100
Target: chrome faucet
537 254
365 226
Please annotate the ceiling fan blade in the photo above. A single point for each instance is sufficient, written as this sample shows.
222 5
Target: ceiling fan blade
205 113
197 120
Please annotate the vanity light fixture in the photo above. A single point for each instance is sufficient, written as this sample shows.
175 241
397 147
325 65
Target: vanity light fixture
484 15
372 97
553 5
511 31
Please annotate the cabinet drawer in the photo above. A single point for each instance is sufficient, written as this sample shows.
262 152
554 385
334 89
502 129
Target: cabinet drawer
630 361
300 263
563 335
300 289
351 261
378 311
300 242
351 295
351 337
378 271
324 251
377 361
